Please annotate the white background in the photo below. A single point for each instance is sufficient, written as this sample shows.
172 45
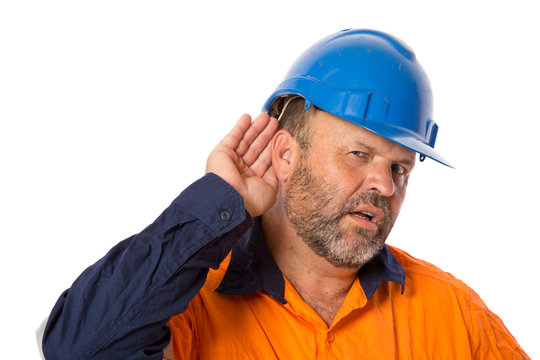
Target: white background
108 110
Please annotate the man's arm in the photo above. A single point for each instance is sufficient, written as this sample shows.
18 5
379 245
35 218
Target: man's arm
119 307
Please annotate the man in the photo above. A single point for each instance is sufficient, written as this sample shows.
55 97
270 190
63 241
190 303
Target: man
305 203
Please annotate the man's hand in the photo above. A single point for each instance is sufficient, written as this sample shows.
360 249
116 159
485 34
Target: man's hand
244 160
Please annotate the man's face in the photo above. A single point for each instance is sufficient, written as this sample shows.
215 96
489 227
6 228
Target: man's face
344 196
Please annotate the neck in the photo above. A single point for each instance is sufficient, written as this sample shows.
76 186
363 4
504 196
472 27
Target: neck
322 285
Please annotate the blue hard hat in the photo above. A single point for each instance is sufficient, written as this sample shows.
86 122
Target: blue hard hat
371 79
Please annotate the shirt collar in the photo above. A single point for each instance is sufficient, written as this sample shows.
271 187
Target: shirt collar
253 269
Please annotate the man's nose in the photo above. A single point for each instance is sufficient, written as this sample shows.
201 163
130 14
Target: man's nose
379 178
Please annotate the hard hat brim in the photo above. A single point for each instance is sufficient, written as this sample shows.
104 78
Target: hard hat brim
398 135
403 138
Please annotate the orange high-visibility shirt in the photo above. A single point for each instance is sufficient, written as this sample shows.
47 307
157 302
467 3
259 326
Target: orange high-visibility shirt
436 317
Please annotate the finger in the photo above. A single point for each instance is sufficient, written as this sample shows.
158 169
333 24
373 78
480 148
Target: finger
257 126
237 133
270 177
260 143
263 162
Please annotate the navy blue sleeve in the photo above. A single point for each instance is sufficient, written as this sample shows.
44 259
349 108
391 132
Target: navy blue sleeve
119 307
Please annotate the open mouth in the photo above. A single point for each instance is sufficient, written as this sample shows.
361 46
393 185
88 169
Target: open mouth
364 215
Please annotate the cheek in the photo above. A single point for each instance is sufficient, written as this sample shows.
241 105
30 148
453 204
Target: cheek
396 201
344 179
330 171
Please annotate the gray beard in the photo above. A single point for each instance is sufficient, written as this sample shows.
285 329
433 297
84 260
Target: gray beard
316 217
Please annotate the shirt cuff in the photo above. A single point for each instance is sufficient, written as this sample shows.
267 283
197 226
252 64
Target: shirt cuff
214 202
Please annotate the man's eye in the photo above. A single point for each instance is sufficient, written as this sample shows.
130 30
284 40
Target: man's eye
358 153
398 169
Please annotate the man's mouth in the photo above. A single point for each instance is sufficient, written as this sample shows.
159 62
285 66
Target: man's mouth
364 215
368 216
369 212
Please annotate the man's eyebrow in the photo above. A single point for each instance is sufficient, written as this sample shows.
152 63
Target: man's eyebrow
364 145
405 161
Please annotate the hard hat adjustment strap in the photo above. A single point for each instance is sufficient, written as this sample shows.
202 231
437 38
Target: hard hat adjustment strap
287 104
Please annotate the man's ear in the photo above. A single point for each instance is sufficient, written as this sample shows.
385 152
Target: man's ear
285 152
